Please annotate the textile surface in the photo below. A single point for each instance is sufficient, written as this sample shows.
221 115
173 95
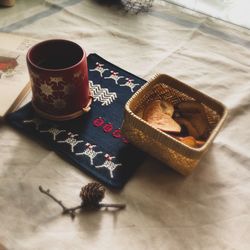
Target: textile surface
206 210
93 142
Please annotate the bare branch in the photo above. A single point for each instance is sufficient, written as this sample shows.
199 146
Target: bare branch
71 211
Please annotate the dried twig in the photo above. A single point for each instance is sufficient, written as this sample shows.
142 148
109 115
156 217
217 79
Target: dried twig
88 193
65 209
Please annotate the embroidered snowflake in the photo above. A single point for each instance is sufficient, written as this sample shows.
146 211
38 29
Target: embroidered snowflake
109 164
90 152
46 89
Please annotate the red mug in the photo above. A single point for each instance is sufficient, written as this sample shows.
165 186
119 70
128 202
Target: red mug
59 79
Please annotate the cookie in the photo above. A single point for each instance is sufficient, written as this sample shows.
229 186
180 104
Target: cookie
166 124
158 106
158 113
195 113
190 141
192 131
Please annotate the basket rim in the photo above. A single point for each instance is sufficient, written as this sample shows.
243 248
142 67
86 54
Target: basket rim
192 150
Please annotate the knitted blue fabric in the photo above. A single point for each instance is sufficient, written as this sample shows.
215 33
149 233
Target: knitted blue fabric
92 142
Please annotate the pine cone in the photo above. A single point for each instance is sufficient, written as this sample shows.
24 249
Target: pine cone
92 194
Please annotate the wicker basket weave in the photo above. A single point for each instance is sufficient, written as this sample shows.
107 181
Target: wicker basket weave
162 146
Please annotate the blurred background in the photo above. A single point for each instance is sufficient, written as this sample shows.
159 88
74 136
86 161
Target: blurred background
233 11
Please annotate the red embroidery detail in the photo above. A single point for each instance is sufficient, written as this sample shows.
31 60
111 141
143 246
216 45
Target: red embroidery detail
98 122
108 127
125 140
108 157
117 133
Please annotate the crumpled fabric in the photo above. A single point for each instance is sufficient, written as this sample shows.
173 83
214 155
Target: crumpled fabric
207 210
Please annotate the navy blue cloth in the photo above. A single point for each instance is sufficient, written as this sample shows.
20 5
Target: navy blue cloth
92 142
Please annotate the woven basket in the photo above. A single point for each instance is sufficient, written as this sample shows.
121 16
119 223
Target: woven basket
162 146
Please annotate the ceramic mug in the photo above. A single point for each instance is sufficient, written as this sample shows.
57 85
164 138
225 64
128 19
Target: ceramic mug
59 79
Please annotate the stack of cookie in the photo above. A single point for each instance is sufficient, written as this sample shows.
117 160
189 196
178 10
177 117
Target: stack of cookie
185 121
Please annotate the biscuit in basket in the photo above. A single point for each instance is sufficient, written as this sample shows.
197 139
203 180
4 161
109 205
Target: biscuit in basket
190 141
194 112
188 125
158 113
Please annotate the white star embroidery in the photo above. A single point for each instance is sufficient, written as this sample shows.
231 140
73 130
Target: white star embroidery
46 89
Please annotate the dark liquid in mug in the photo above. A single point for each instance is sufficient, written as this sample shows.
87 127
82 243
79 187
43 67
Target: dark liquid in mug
56 54
57 63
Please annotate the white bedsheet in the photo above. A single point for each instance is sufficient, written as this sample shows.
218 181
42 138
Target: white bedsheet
209 209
